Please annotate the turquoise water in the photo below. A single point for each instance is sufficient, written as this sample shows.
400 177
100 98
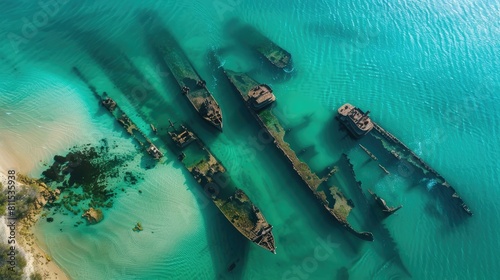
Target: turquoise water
428 72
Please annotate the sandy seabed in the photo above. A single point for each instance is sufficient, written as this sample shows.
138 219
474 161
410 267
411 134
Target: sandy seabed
29 139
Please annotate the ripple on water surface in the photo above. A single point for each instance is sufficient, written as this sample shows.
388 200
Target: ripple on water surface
415 66
40 115
156 249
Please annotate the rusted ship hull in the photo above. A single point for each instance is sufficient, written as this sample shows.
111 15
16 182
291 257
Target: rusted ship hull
231 201
389 247
416 161
356 121
353 130
252 37
191 84
119 115
383 205
399 150
243 84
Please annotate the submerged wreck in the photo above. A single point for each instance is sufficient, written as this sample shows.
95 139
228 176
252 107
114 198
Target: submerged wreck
231 201
191 84
381 202
368 152
122 118
416 161
356 121
209 172
388 246
252 37
359 124
258 98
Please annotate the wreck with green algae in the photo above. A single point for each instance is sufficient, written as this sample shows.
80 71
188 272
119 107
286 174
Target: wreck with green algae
234 204
258 98
231 201
397 147
191 84
359 124
253 38
122 118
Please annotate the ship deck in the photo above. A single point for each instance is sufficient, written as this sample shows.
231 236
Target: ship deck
181 68
265 46
231 201
118 114
197 155
396 147
327 196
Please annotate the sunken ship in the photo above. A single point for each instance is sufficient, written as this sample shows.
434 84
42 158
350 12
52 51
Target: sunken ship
192 86
122 118
259 99
210 174
355 120
359 124
257 41
207 170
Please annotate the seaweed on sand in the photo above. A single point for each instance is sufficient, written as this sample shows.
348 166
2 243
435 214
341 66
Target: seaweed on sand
83 175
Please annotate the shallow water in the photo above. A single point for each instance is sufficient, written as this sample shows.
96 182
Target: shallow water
428 73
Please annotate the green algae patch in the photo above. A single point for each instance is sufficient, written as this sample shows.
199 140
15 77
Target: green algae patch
237 212
83 176
268 118
278 133
342 207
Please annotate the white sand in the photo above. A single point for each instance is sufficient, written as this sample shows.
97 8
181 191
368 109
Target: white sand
50 119
47 122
